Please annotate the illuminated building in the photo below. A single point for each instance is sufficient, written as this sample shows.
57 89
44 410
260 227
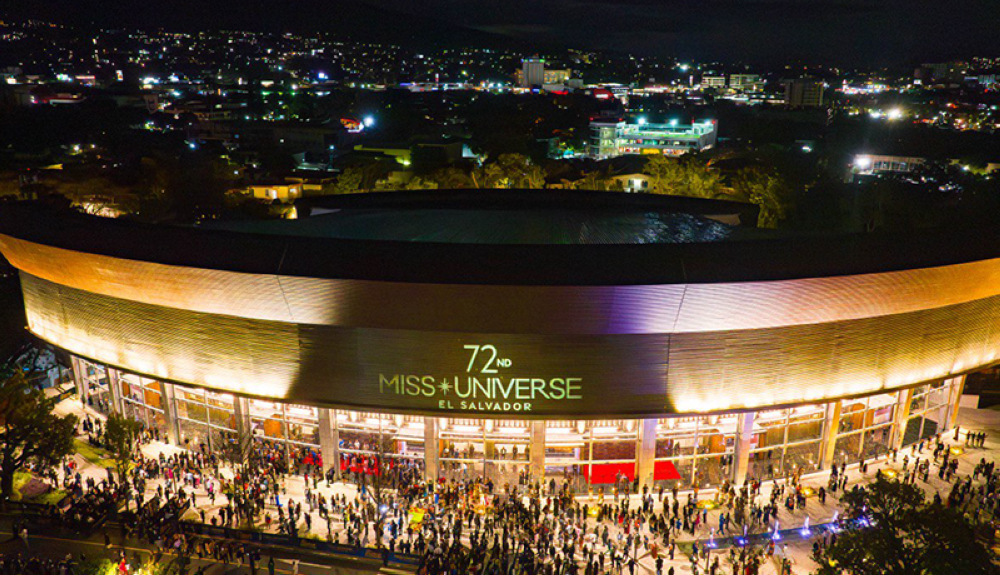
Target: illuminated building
566 334
532 72
878 164
610 138
280 191
713 81
804 92
746 82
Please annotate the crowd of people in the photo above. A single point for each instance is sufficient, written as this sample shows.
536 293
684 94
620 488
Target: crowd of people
532 526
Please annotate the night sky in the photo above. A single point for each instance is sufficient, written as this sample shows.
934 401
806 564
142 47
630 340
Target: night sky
846 32
852 31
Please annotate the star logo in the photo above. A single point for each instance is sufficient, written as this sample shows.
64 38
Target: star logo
445 387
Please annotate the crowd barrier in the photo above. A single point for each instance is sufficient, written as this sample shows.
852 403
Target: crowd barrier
304 543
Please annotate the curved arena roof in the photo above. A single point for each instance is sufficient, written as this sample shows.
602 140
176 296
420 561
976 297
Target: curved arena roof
739 319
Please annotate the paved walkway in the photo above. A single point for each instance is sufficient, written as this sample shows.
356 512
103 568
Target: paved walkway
797 548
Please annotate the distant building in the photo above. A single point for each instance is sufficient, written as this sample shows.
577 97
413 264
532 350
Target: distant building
290 188
746 82
532 72
804 92
878 164
940 72
610 138
556 77
280 191
713 81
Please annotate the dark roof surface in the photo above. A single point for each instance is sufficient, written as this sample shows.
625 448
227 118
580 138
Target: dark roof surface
511 217
767 258
498 227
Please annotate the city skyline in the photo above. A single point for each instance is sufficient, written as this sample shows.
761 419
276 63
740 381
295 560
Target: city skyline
763 32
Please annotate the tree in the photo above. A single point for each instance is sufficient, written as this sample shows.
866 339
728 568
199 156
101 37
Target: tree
512 171
452 178
121 435
904 535
701 181
686 176
597 180
664 173
768 191
418 183
349 182
31 432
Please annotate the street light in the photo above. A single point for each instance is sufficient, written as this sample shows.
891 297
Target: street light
369 121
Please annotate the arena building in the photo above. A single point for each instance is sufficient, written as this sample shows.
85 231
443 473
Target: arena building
580 335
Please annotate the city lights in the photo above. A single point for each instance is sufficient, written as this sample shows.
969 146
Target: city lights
376 260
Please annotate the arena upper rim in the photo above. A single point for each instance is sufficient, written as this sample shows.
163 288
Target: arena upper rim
586 330
769 257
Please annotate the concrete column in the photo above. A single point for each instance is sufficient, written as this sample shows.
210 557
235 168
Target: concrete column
741 455
830 428
241 413
329 440
537 456
957 390
902 414
114 386
79 379
431 449
645 460
170 413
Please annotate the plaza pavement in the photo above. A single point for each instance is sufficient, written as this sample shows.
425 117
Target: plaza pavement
798 550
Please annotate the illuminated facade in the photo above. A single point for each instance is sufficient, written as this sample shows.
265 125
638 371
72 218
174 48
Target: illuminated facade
615 138
696 355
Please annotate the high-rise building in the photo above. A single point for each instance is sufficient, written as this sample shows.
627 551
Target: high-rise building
532 72
610 138
803 92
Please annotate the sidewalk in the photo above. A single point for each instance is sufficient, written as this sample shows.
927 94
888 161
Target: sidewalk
798 549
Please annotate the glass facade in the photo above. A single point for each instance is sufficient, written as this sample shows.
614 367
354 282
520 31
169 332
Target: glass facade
586 454
375 434
694 450
98 385
785 442
142 399
590 453
865 427
928 411
476 447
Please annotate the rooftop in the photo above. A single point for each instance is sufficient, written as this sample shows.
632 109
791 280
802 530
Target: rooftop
512 217
509 237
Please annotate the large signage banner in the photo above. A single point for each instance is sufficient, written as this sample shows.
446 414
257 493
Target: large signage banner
488 374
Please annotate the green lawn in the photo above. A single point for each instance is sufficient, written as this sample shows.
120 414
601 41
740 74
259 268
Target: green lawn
20 478
51 497
95 455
